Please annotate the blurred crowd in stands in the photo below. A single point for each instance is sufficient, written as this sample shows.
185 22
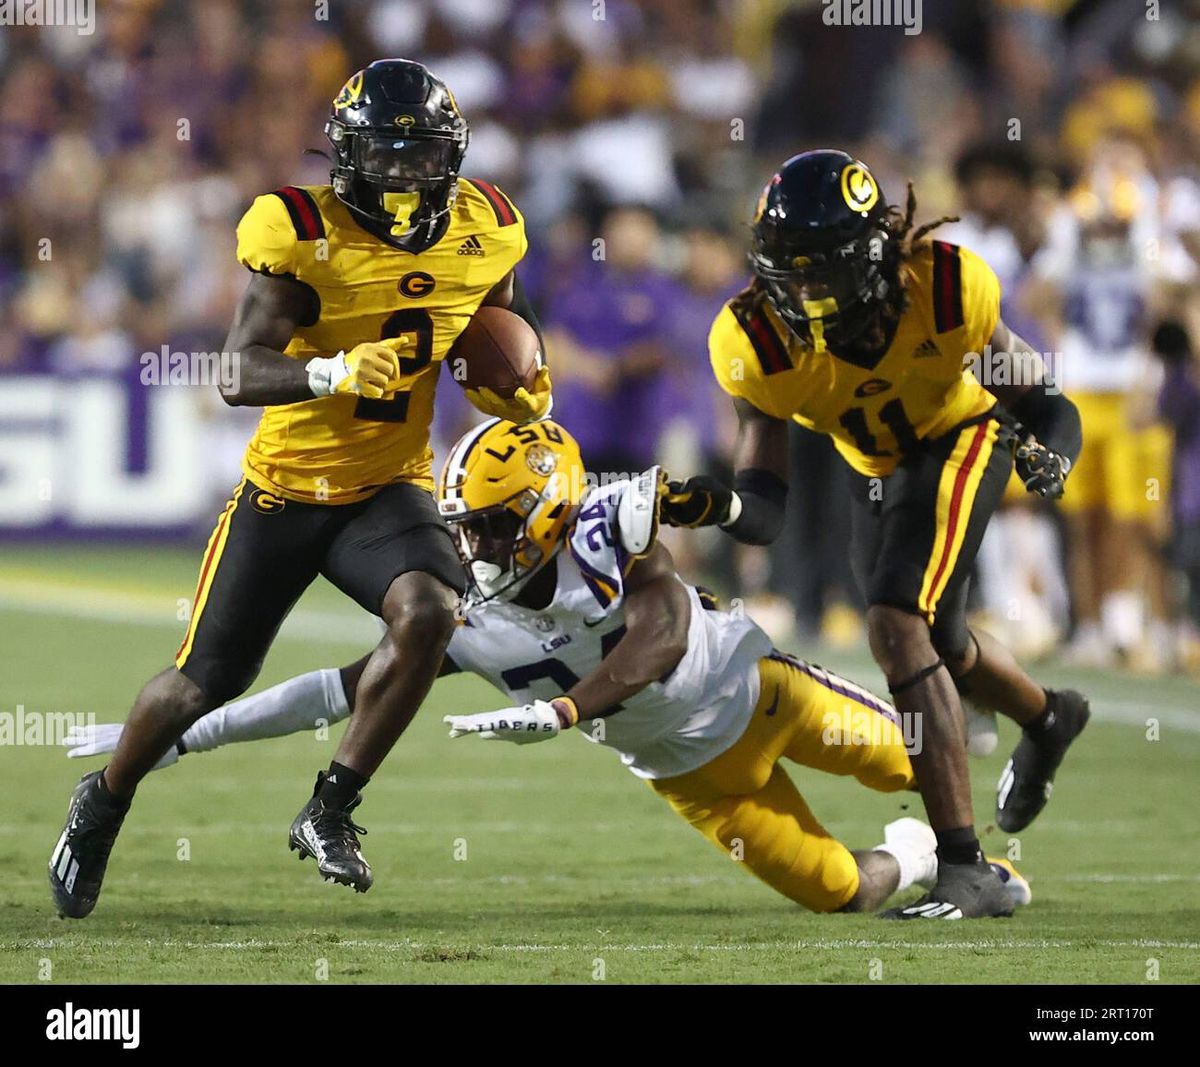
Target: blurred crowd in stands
634 135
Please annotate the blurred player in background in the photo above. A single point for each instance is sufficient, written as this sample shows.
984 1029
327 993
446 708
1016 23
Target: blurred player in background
358 289
1022 587
1094 279
576 611
857 328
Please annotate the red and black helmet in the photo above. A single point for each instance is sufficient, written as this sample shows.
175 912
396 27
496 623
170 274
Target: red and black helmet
821 248
398 140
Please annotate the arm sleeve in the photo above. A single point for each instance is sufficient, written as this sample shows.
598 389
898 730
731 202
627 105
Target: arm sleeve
290 707
763 496
1052 419
521 306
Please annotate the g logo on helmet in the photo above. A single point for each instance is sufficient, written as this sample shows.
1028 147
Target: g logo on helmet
858 188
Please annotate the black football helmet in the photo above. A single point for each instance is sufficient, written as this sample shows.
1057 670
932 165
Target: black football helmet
821 247
399 140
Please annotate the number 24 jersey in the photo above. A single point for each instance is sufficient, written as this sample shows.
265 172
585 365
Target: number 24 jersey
673 725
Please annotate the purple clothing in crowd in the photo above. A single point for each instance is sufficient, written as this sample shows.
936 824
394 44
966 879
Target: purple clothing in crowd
688 390
1179 406
605 312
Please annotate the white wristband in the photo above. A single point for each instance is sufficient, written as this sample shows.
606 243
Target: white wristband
324 375
735 511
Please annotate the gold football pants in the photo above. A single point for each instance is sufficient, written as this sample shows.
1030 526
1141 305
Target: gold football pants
744 802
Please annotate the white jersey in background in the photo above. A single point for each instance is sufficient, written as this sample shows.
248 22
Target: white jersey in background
1103 301
995 245
672 726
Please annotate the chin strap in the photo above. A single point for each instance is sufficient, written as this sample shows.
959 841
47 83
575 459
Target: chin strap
818 311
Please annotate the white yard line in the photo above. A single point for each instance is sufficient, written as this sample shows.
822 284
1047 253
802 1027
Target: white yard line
98 604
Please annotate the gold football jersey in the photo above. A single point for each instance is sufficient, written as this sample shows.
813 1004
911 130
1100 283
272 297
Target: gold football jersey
339 449
922 386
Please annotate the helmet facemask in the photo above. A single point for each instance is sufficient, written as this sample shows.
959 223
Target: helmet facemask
400 182
828 297
496 546
510 495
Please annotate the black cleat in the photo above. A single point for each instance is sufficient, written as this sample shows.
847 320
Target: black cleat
79 860
329 835
963 891
1028 777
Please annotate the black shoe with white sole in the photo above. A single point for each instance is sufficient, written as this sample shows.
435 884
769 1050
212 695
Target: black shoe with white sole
963 891
80 858
1028 777
330 837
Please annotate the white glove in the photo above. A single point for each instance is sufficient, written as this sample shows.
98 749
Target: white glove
103 737
538 721
366 370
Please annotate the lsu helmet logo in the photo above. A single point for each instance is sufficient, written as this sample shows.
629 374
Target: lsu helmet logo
858 188
541 459
350 92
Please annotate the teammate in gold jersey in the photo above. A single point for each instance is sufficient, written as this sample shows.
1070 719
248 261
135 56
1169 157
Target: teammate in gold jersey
860 330
358 290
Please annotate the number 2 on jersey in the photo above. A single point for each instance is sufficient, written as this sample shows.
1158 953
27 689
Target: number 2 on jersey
418 323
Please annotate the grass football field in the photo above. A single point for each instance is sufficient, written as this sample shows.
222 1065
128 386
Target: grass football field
546 863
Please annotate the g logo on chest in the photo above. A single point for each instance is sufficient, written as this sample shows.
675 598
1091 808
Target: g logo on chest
872 387
416 283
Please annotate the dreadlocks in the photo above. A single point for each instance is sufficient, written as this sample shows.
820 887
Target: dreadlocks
898 224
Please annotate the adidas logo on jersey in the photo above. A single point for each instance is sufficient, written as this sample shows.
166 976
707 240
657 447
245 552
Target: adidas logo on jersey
471 247
926 350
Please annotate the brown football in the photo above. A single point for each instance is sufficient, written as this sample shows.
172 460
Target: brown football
498 349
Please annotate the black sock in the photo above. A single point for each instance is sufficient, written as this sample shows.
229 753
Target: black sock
1046 721
958 846
342 784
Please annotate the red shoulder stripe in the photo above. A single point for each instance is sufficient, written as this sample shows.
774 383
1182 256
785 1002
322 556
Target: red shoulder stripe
770 348
947 287
505 213
302 209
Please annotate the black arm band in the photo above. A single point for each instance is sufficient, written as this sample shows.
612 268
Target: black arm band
763 496
1052 419
521 306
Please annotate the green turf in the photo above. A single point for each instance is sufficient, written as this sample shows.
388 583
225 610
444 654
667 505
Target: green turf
573 871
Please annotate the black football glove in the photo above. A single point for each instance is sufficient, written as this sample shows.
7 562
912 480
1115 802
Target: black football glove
700 501
1043 472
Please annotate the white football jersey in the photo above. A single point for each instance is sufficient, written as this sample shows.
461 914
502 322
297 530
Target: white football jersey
1104 303
672 726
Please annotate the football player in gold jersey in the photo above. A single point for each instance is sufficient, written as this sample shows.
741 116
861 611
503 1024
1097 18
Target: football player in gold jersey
858 328
358 290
